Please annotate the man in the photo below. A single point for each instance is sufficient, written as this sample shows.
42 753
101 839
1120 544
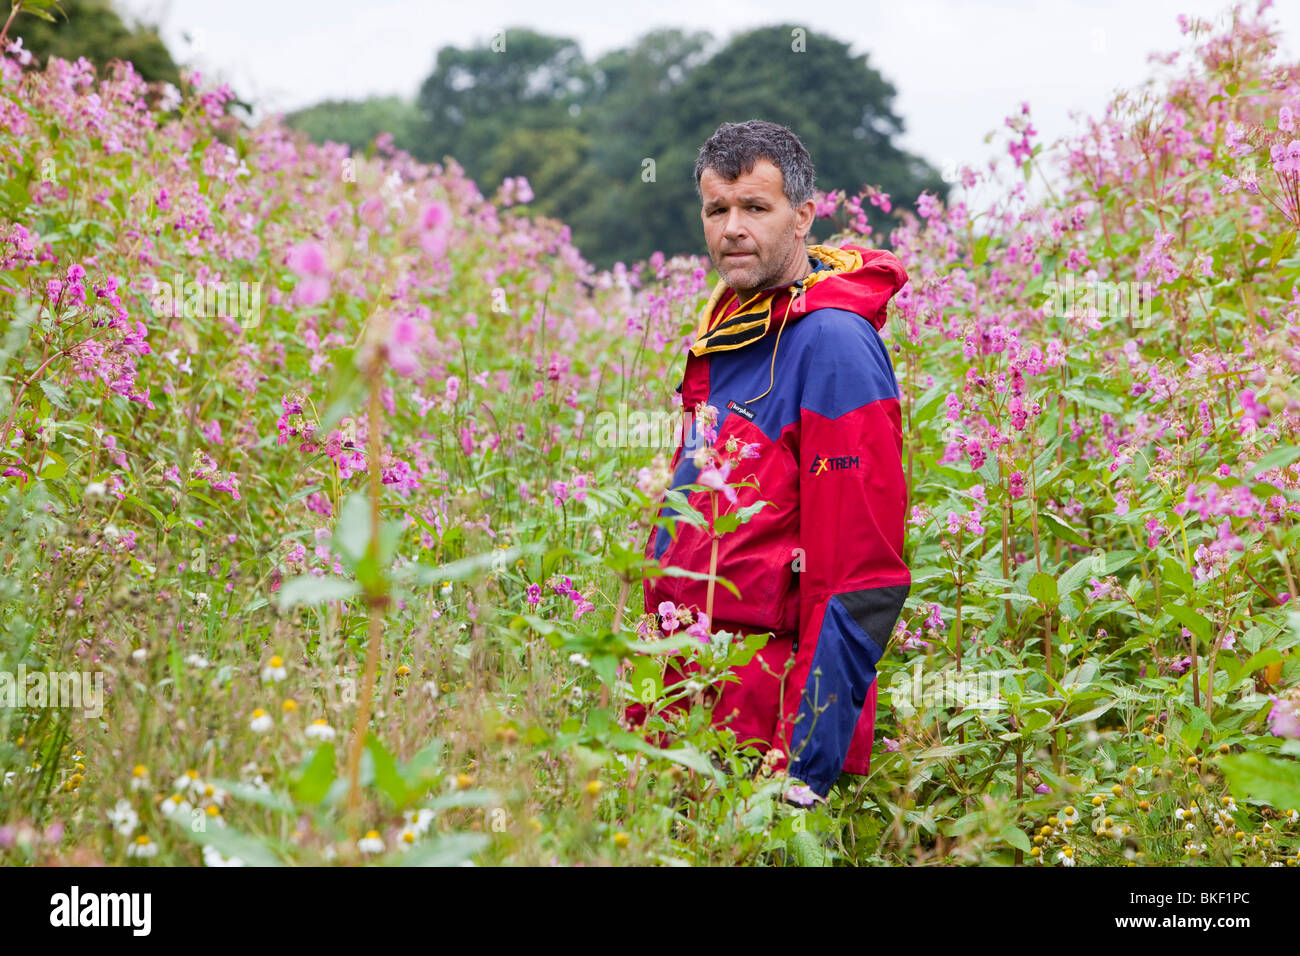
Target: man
788 354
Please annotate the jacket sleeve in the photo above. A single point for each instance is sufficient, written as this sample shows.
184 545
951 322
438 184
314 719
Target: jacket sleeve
852 576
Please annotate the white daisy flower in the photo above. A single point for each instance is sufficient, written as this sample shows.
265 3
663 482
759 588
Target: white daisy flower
175 804
274 670
187 782
214 794
419 821
213 858
261 722
139 654
197 661
123 817
142 846
1066 857
579 659
371 843
319 729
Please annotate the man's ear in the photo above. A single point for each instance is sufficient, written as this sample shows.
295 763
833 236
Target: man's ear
803 218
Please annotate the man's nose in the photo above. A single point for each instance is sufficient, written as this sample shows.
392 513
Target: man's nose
734 227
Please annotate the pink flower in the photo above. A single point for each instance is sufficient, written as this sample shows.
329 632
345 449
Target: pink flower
1284 718
668 617
403 338
534 593
700 629
801 794
891 746
716 478
307 260
435 225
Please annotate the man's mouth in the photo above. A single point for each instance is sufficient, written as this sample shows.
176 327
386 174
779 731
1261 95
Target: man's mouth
738 255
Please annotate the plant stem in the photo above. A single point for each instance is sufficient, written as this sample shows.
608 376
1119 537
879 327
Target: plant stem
376 604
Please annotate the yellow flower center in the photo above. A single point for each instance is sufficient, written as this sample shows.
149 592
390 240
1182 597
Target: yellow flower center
372 835
290 706
142 840
259 713
213 811
320 722
276 662
192 774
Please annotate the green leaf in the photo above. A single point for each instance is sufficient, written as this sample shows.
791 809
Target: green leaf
1061 529
1274 780
466 568
229 843
807 849
54 468
1277 458
1281 246
1194 621
352 533
254 795
1177 575
316 776
450 850
673 571
387 779
57 396
1015 836
1042 588
312 590
1089 715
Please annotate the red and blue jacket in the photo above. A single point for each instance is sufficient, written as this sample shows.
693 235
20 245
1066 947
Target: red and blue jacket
800 370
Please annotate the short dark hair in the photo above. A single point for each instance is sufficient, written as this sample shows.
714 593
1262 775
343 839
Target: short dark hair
734 148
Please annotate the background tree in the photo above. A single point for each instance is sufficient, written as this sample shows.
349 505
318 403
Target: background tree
609 147
93 29
358 122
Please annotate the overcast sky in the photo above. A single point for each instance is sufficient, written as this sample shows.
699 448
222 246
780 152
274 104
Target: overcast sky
959 66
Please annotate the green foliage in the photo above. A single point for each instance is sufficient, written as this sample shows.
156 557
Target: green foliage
95 30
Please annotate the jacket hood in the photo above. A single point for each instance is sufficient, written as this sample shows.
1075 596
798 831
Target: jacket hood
852 278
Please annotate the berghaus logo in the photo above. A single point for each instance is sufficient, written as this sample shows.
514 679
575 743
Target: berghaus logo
824 463
741 410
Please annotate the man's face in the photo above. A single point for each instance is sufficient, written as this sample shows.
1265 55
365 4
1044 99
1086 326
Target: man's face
755 237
